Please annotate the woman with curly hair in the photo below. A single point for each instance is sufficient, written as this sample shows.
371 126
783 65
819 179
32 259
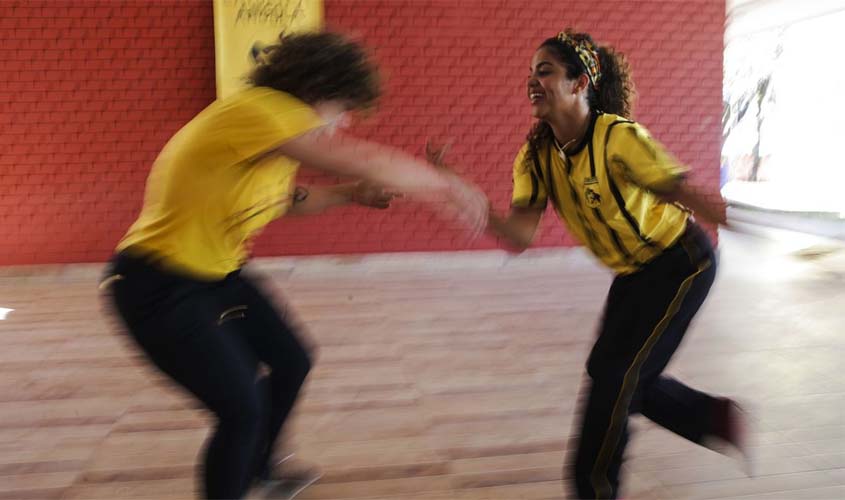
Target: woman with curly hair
625 198
176 278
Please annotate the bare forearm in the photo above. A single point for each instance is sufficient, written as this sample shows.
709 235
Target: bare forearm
517 229
708 207
362 159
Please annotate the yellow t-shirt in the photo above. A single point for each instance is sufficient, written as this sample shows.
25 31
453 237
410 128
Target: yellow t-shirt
606 191
212 188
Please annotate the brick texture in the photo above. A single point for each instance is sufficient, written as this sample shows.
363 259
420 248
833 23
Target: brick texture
90 90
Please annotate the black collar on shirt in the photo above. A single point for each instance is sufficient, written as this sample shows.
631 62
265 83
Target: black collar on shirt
588 135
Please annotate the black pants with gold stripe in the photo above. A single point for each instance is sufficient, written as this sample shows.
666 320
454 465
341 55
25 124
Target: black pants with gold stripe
211 337
645 318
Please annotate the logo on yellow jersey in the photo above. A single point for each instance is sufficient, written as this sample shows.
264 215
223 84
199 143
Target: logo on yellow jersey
592 197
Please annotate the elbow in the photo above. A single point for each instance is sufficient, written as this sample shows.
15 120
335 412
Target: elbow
671 191
515 249
522 245
722 218
722 209
517 246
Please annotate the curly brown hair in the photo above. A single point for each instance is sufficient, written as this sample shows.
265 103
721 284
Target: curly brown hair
615 90
316 67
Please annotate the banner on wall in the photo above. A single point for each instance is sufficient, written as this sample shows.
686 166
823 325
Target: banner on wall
242 28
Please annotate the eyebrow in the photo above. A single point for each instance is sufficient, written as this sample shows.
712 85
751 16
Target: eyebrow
540 64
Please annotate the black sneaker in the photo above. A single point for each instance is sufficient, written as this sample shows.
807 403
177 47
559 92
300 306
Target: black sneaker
730 434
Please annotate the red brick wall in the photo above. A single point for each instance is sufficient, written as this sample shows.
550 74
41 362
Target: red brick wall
90 90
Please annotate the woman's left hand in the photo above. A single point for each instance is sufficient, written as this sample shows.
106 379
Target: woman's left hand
372 195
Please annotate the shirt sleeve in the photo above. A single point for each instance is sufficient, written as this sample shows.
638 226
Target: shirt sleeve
260 119
529 190
633 153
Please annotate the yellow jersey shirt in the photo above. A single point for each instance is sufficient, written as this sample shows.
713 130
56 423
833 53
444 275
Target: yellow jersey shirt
606 191
214 187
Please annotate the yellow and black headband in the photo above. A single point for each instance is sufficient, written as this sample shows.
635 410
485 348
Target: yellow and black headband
587 52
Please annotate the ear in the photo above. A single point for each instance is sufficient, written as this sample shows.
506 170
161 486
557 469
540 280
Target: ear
582 83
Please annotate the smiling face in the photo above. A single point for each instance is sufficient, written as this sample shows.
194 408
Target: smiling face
552 92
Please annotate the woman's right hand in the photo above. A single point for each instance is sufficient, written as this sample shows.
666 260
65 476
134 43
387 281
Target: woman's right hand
468 204
469 195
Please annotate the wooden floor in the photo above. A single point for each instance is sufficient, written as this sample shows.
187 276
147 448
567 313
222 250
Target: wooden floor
439 377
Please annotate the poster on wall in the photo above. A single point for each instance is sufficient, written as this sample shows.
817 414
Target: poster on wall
242 28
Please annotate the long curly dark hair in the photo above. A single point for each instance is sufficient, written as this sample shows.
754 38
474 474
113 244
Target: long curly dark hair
316 67
615 90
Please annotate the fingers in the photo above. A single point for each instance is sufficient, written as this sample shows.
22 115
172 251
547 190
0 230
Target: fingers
436 155
393 194
381 201
469 205
375 196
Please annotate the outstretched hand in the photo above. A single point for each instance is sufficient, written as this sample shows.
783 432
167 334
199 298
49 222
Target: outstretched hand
373 195
470 202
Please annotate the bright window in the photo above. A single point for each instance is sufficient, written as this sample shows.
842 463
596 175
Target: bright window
784 85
